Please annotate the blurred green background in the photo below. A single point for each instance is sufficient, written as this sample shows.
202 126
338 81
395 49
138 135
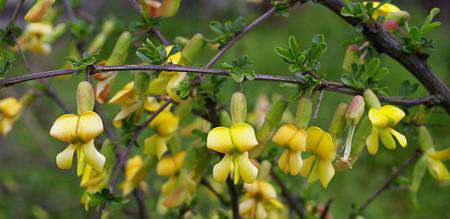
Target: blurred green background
32 187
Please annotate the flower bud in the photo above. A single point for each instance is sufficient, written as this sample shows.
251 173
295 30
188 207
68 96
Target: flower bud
390 26
238 108
304 111
371 99
193 46
425 139
351 56
169 8
355 110
85 97
38 11
337 124
120 51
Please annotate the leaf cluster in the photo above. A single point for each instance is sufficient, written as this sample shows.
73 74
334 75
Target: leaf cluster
8 34
362 10
240 69
105 197
415 41
153 54
80 29
82 64
364 75
6 62
227 30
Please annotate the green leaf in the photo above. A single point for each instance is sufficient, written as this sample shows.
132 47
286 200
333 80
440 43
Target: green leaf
427 28
216 27
373 65
380 74
417 176
415 33
318 50
284 54
318 38
293 46
348 80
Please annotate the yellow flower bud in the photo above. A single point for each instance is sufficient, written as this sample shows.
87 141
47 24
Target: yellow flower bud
238 108
39 9
85 97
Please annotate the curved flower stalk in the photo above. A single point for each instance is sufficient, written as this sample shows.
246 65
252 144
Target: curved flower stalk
136 170
319 164
260 201
117 57
10 111
94 181
234 143
164 125
293 138
434 158
383 119
80 131
38 11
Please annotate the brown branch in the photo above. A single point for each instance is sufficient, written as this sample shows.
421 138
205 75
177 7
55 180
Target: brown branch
417 153
385 42
159 35
234 196
292 202
326 85
16 12
140 199
130 144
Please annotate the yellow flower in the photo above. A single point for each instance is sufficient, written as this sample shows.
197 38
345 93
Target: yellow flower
10 110
167 82
383 119
39 10
164 125
434 158
93 181
260 200
293 140
136 170
33 38
170 166
319 165
79 131
234 142
384 10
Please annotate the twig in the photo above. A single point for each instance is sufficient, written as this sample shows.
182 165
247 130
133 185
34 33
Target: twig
205 183
135 5
69 11
16 12
330 85
130 144
234 196
140 199
385 42
417 153
319 101
327 207
159 35
293 203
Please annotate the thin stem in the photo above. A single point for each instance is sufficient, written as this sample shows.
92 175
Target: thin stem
16 12
327 207
69 11
130 144
293 203
159 35
417 153
205 183
135 5
330 85
140 199
319 101
233 198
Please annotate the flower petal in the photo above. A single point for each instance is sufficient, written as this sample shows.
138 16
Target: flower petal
159 84
222 169
387 139
247 169
298 141
172 86
440 155
283 161
65 158
394 114
246 206
400 138
326 172
314 134
166 167
283 134
219 140
372 141
80 161
260 211
168 126
90 125
325 150
93 157
124 96
10 107
243 136
155 145
151 104
65 127
438 170
295 162
377 118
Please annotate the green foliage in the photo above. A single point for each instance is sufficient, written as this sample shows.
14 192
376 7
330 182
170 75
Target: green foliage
240 69
365 76
155 55
408 88
415 41
184 89
6 62
105 197
82 65
9 33
417 176
227 30
80 29
361 9
145 23
282 7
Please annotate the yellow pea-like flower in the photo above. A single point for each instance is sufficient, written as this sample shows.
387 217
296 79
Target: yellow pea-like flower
132 174
79 131
234 142
164 125
10 110
170 166
259 201
319 165
293 140
434 158
384 10
383 119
